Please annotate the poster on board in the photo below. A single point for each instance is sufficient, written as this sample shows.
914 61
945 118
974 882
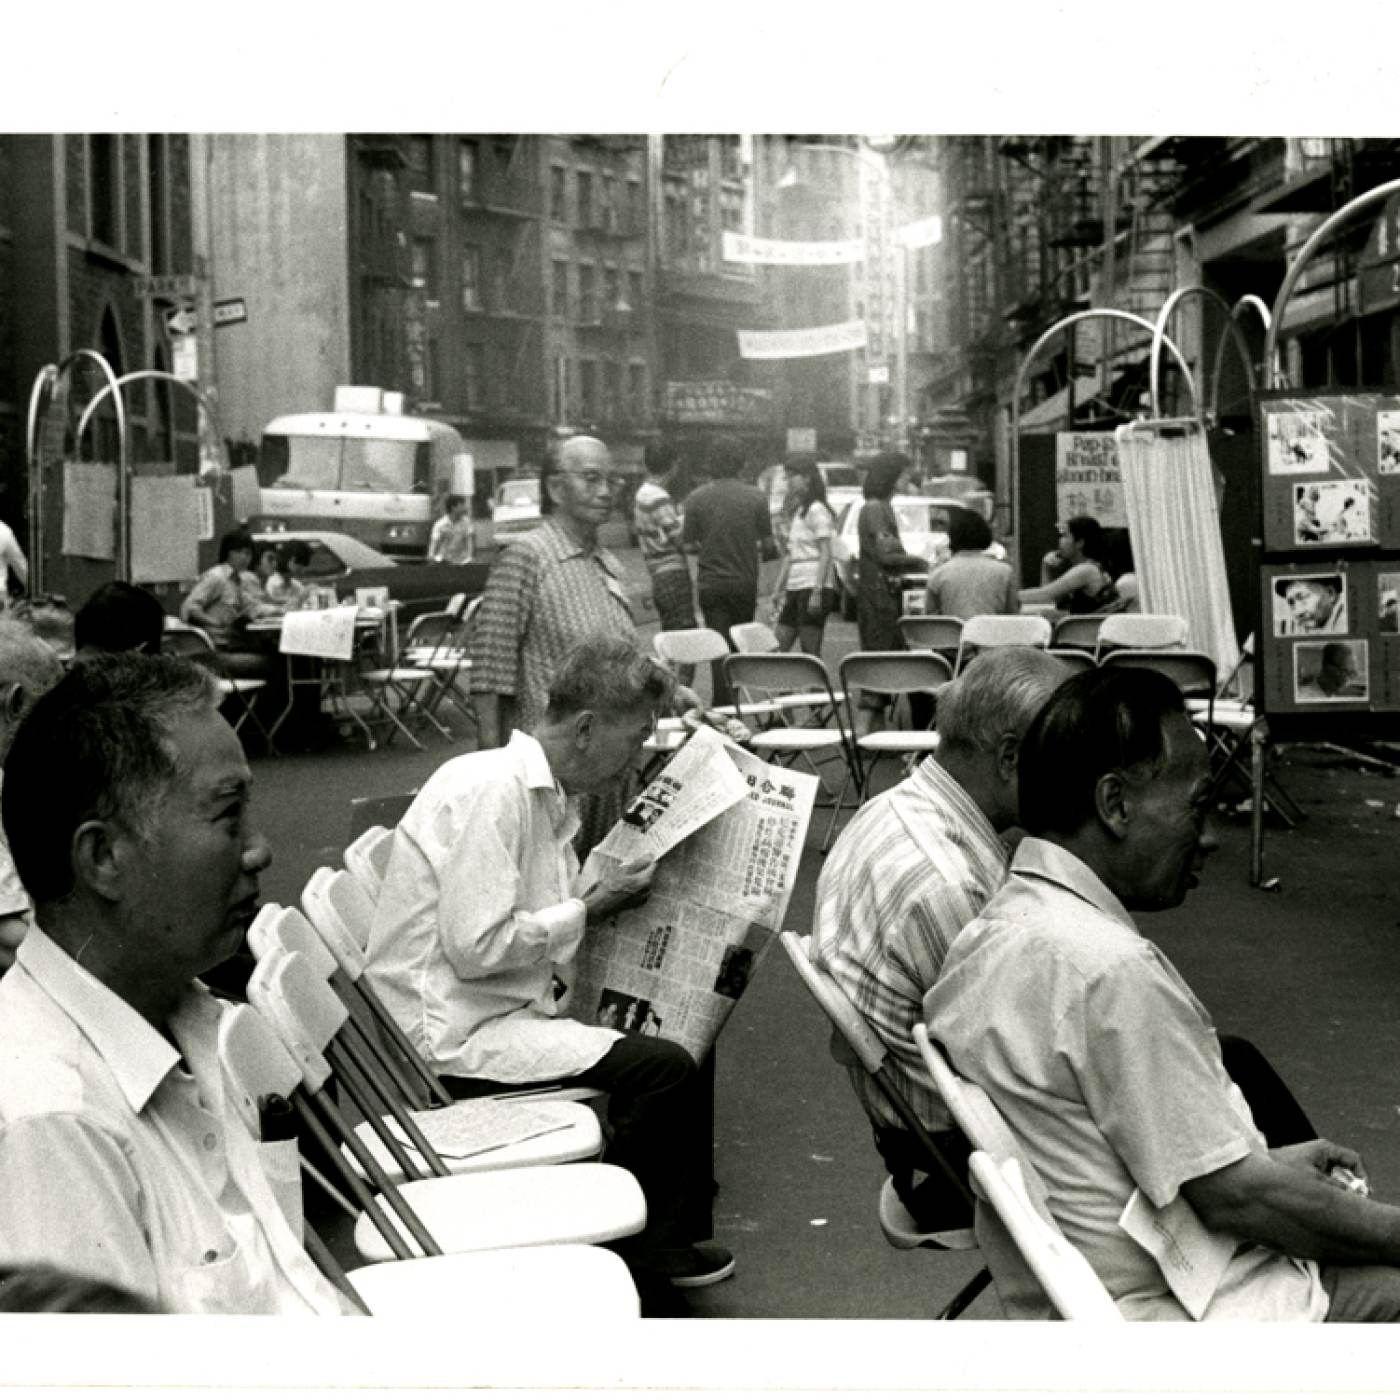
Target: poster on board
1088 480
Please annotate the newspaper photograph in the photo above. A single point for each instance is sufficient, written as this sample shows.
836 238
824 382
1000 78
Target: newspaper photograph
676 965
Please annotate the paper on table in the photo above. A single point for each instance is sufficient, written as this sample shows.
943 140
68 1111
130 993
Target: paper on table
328 632
473 1126
1192 1258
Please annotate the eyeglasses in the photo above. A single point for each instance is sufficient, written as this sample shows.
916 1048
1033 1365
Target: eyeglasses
591 481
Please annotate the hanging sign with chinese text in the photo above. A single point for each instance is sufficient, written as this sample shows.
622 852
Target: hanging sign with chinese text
1088 480
802 343
740 248
716 401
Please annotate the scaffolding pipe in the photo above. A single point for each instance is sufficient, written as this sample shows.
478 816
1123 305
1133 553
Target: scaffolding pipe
1318 237
1045 337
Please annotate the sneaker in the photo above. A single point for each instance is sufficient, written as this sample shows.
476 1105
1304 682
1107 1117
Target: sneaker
696 1267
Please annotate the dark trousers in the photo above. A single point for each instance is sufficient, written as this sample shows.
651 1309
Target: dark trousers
723 607
661 1112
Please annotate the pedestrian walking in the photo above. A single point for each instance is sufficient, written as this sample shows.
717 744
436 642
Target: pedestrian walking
727 522
656 519
803 594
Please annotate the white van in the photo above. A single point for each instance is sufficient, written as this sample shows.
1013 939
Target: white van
366 469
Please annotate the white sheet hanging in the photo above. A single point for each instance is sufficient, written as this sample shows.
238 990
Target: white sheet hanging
1174 523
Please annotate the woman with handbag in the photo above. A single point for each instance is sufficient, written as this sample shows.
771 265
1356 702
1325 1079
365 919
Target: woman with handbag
803 594
880 587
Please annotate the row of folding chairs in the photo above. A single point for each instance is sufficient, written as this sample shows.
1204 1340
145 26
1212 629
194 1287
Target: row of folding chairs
1003 1177
442 1216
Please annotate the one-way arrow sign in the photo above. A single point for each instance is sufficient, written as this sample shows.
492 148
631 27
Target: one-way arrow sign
181 321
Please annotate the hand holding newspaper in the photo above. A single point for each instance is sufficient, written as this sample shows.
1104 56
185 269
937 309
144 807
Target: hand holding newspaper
726 830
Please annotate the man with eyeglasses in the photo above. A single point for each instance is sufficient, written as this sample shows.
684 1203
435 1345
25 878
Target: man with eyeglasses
547 591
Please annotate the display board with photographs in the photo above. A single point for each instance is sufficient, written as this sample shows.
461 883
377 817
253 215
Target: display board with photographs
1329 639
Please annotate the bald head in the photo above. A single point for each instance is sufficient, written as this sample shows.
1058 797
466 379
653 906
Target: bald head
28 668
581 454
579 484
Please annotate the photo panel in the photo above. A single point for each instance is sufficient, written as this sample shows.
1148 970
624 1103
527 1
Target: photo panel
1334 512
1329 673
1310 604
1296 442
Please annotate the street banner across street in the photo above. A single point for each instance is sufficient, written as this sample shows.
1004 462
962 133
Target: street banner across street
740 248
798 344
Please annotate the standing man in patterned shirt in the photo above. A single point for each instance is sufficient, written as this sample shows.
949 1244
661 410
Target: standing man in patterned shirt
914 866
546 592
657 522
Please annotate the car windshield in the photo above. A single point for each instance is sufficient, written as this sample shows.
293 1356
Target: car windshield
353 464
840 476
520 494
331 558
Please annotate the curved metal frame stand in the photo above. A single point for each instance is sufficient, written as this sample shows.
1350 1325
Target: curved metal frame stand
1231 329
165 377
1108 313
41 396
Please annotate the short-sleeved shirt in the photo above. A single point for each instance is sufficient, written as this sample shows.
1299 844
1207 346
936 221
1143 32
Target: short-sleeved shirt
124 1155
729 521
1108 1071
545 593
221 594
451 540
807 532
971 584
658 524
477 912
912 867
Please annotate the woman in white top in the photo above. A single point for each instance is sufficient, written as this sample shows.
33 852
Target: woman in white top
803 594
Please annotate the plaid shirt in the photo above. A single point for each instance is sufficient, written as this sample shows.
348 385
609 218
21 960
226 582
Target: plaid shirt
543 596
914 866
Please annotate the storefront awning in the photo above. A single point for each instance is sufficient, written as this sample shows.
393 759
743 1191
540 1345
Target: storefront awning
1054 411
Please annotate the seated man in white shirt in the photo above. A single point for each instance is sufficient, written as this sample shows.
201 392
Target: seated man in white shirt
122 1150
1106 1066
28 667
482 911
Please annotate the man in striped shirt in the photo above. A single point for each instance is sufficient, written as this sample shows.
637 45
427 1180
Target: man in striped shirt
913 867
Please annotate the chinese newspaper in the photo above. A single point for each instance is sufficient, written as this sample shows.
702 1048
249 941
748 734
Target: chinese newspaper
727 831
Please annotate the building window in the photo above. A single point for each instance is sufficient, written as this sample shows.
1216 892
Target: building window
432 371
585 199
612 288
156 213
607 211
636 288
637 389
731 208
635 212
471 278
466 168
559 289
425 266
105 188
587 292
588 388
558 194
420 162
612 390
473 377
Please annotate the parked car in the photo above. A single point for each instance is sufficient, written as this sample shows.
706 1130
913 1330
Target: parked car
345 563
844 484
923 526
515 508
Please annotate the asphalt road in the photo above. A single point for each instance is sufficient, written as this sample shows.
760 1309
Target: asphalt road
1309 972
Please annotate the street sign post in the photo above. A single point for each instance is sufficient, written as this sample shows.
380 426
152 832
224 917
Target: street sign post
181 320
184 357
230 311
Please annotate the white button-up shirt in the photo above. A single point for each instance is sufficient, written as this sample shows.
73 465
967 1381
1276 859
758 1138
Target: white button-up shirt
477 916
124 1158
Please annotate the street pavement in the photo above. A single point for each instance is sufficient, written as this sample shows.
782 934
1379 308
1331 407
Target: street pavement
1309 971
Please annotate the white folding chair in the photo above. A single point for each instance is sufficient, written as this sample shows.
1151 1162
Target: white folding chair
754 636
795 676
690 646
892 673
525 1134
1078 631
932 632
367 858
1141 632
1012 1187
855 1042
579 1203
238 692
1073 657
398 691
441 643
492 1285
1001 630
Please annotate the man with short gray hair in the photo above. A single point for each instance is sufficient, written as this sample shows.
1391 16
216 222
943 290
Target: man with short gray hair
915 865
483 911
